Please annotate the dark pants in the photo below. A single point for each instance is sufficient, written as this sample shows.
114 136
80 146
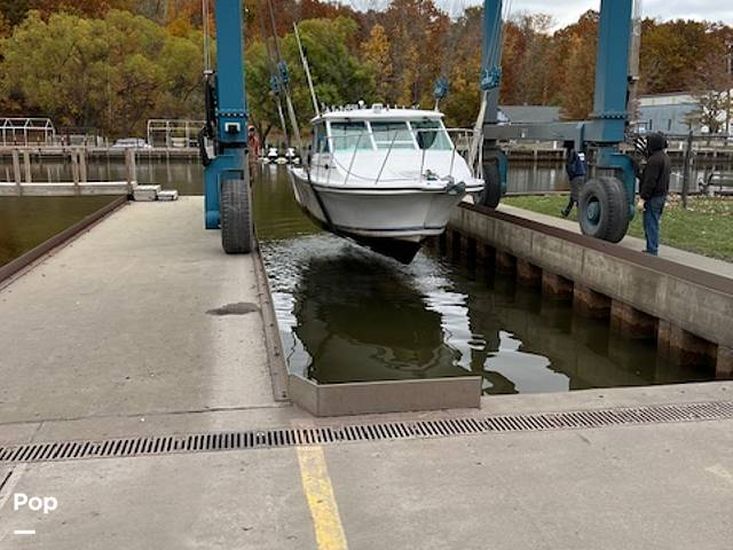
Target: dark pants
575 184
653 209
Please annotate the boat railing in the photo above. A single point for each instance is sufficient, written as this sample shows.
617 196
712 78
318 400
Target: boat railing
458 138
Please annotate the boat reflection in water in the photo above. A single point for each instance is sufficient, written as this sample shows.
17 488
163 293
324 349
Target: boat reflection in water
360 318
347 314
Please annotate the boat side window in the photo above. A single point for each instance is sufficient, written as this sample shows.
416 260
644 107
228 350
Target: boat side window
347 136
392 134
320 143
430 134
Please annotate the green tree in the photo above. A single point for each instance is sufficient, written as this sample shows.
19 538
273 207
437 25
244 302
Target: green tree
112 73
463 69
14 11
338 75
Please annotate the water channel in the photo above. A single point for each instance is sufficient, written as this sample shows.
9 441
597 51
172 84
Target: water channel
347 314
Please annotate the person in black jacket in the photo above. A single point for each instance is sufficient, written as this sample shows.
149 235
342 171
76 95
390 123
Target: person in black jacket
653 189
575 168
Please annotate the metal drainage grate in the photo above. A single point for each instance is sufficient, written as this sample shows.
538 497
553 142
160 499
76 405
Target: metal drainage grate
327 435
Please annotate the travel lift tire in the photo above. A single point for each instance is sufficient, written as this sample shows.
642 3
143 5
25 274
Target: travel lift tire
603 209
236 219
491 193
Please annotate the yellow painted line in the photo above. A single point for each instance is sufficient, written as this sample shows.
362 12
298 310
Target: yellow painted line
321 499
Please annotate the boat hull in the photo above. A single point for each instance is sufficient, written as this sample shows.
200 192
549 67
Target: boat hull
391 221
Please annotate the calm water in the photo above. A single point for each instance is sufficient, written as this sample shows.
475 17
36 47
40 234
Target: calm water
187 176
26 222
346 313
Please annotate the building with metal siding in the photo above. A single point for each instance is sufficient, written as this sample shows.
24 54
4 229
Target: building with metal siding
668 113
671 113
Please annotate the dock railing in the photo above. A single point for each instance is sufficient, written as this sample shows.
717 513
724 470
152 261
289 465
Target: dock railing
22 179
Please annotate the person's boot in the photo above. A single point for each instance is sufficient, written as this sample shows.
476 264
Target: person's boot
566 211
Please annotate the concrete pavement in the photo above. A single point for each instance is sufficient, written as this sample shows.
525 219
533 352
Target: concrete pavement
116 323
110 337
711 265
644 487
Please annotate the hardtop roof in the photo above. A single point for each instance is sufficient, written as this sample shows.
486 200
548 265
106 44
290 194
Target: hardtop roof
377 113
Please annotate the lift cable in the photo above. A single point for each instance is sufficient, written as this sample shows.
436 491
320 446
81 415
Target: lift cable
496 41
274 80
285 81
442 83
306 68
205 23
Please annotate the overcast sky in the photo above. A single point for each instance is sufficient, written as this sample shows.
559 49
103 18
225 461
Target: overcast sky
567 11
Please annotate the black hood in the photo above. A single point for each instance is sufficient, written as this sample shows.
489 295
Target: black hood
654 143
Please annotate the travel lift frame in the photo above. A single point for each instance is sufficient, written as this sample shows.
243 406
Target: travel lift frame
227 193
606 204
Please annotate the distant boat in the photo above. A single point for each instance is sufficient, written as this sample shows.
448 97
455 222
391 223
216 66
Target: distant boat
386 178
291 155
272 154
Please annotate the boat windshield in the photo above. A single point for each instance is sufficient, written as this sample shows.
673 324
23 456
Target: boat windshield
392 134
430 134
320 143
347 136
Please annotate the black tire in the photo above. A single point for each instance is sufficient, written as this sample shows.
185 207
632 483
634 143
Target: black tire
236 219
604 209
491 193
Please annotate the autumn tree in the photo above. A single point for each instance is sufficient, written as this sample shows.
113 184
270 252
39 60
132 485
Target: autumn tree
712 89
339 77
112 73
463 69
526 66
574 58
376 53
416 30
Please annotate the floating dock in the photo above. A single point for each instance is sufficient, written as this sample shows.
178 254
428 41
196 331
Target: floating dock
140 389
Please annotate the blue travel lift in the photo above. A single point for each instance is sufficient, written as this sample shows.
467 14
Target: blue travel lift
227 195
606 203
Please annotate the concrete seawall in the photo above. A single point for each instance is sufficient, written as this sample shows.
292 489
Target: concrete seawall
687 310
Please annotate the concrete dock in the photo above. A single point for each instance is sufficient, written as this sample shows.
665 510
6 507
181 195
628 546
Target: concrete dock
143 327
683 301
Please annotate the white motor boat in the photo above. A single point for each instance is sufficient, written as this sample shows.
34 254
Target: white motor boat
273 154
291 155
386 178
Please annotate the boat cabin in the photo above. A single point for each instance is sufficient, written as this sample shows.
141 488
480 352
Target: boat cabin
379 128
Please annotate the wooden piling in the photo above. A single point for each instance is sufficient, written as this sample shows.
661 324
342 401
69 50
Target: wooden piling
556 287
684 348
589 303
528 274
16 172
75 170
631 322
83 165
130 169
27 166
505 262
